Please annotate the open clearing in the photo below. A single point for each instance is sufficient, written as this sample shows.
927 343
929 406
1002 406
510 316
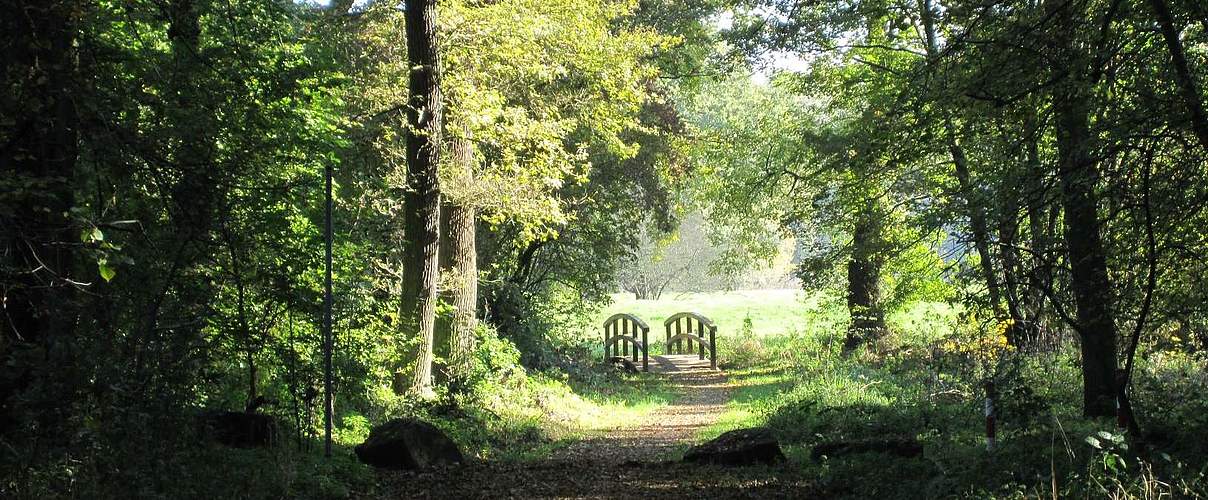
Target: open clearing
772 312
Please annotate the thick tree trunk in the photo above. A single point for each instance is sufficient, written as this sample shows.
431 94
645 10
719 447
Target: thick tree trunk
464 290
1182 73
38 153
1041 276
194 193
459 259
39 149
1089 280
423 189
864 282
1078 172
37 162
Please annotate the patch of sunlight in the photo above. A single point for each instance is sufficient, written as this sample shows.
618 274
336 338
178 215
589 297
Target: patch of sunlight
752 390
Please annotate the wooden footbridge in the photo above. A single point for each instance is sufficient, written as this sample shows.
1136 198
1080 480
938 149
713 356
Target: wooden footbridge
687 338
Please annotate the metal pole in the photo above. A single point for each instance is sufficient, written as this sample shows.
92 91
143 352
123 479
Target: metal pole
990 416
327 339
1121 413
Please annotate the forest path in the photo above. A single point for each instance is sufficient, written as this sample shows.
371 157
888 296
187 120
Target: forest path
633 461
701 396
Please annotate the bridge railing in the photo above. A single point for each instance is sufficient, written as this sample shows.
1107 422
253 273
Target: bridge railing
621 331
683 329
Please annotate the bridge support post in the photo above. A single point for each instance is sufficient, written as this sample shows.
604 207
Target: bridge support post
634 333
713 347
624 333
679 344
607 346
645 350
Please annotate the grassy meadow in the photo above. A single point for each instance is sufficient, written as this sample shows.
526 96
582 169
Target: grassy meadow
772 312
753 324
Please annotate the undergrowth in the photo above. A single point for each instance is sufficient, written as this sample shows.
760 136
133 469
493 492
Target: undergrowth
1045 448
508 413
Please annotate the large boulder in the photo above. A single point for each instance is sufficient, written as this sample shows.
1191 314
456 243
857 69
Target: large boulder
407 443
738 447
239 429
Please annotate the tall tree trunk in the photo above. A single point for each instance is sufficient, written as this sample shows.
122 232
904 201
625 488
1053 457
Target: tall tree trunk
973 209
1078 172
977 224
1041 277
864 281
1008 231
38 153
194 194
464 294
459 260
37 162
1182 73
423 185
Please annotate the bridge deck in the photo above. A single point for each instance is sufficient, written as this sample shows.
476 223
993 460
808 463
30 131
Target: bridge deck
679 363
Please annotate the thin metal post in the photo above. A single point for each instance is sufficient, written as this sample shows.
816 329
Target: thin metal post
328 404
990 416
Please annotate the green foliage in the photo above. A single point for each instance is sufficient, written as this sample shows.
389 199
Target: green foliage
536 84
993 178
810 394
192 272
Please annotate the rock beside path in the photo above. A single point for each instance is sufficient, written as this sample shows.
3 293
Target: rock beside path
408 443
739 447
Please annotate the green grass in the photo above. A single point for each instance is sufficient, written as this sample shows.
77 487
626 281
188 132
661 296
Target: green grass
809 394
788 374
772 312
752 388
535 417
777 313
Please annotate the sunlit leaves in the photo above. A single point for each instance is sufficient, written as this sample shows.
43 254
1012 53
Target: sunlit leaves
534 83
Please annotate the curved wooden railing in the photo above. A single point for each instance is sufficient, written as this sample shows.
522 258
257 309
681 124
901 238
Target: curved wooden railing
691 327
620 332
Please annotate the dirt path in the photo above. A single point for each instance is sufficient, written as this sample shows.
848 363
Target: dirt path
637 461
702 394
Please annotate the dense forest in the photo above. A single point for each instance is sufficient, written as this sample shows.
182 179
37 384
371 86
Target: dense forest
314 218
